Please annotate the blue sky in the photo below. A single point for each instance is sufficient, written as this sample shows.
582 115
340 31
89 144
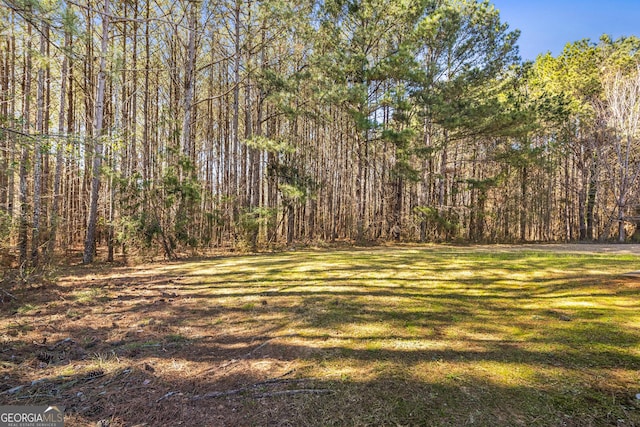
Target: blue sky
548 25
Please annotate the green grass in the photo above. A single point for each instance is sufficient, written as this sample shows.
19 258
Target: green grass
27 308
437 336
412 336
90 295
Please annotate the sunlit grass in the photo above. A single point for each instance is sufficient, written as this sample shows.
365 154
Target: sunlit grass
27 308
537 327
401 336
90 295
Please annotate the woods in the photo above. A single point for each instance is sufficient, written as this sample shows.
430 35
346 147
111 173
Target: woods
177 127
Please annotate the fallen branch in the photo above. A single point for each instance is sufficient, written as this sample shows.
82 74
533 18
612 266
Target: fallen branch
34 396
13 390
60 381
230 362
271 381
213 394
280 378
168 395
19 388
240 358
10 295
216 394
292 392
256 349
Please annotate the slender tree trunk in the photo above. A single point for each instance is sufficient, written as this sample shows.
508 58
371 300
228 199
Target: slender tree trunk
360 189
582 199
11 58
73 187
112 210
132 164
442 190
46 170
4 113
57 194
427 172
146 134
591 196
189 80
622 235
37 165
89 117
524 204
24 159
248 131
567 200
235 177
89 246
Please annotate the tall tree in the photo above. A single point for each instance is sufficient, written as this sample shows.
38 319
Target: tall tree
60 147
40 142
90 241
24 158
622 95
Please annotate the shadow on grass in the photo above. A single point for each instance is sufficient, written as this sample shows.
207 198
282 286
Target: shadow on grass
416 337
132 394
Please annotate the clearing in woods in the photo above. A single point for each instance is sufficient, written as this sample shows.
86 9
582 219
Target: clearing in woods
414 335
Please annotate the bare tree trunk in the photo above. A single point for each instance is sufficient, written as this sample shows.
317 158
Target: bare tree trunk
235 148
146 137
72 185
89 245
442 190
24 159
89 118
112 210
4 112
57 194
582 198
524 204
37 165
621 230
11 57
591 195
360 189
189 80
132 166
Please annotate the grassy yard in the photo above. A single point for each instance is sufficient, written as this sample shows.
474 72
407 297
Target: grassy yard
435 335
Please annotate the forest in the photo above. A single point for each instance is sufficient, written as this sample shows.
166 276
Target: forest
139 126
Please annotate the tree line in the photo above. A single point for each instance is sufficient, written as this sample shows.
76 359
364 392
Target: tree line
138 125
